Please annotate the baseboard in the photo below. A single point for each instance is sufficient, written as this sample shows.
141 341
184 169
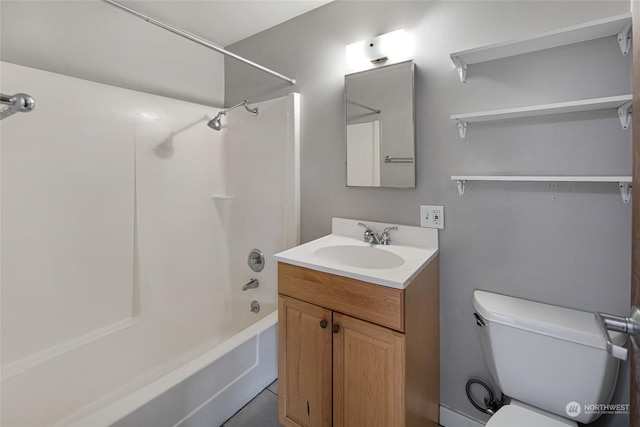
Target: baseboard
451 418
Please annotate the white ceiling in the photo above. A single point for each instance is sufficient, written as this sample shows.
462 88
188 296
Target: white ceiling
224 22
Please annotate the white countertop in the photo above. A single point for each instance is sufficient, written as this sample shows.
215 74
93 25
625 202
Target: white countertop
416 246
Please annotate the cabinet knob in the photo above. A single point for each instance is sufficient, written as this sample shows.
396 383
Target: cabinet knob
323 324
335 329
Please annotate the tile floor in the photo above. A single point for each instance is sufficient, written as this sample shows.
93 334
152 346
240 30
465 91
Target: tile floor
262 411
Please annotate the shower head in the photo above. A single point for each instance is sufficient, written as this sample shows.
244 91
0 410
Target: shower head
215 122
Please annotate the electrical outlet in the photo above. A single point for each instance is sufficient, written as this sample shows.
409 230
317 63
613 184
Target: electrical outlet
431 216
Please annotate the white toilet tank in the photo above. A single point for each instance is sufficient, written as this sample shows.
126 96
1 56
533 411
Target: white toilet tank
544 355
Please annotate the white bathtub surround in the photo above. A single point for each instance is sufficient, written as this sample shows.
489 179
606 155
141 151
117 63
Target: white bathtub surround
67 206
414 248
118 267
261 150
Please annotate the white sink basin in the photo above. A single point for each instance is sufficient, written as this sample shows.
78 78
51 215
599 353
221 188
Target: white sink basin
343 252
359 256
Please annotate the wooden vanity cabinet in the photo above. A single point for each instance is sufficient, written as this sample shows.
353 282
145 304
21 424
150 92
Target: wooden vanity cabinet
356 354
305 338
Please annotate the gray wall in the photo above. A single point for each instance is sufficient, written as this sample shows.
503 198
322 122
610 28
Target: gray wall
94 41
566 244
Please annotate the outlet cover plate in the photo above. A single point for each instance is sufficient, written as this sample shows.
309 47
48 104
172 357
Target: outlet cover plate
432 216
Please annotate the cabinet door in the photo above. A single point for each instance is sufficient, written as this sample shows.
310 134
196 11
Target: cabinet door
368 374
304 364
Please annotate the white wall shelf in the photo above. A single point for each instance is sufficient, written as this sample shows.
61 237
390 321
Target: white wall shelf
624 182
619 26
622 103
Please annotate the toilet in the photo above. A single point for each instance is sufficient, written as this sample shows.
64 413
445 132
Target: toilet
551 361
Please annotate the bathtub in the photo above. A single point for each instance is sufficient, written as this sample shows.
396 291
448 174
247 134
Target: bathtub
122 272
207 390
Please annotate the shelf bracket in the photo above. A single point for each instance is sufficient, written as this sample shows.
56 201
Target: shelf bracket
461 184
625 191
624 114
624 39
462 72
462 128
462 69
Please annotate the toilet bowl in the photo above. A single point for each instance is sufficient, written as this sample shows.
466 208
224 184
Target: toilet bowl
551 361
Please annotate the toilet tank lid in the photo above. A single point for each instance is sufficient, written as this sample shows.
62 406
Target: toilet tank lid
545 319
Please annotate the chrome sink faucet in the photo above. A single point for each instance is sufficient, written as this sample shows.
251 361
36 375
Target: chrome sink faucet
377 238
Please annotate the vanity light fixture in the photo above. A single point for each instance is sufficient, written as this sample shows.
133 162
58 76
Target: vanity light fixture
388 48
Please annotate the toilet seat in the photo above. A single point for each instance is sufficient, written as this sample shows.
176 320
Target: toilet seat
515 415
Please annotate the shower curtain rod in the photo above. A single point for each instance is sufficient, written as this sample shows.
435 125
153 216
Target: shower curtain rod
20 102
199 40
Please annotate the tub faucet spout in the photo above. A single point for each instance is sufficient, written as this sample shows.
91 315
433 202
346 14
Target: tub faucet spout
253 283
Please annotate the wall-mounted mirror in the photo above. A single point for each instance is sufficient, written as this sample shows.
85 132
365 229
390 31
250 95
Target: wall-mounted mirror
380 127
